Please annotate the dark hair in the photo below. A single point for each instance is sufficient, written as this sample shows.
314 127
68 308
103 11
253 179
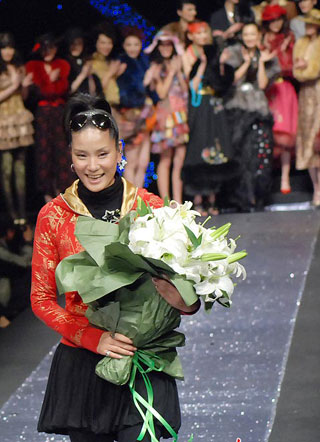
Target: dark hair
85 102
7 40
181 3
70 36
132 31
243 12
109 30
253 23
156 56
284 29
42 44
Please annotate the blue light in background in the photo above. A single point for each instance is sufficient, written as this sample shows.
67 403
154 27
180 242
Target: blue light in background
123 14
59 6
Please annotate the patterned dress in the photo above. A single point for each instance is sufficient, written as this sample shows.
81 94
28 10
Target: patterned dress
171 128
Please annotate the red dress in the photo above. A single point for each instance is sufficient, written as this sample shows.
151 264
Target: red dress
282 97
55 240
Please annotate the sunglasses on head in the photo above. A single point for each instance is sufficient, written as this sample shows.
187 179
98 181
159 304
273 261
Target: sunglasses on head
100 119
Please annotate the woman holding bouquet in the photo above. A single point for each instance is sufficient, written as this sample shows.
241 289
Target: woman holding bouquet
77 401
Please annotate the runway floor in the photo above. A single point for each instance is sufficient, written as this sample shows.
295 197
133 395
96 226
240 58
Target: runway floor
251 372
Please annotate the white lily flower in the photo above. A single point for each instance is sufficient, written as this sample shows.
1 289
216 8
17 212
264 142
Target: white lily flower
162 235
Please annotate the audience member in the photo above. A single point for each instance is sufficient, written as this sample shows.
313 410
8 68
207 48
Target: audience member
170 132
81 78
298 26
50 76
209 155
16 130
281 94
248 106
306 69
187 12
134 107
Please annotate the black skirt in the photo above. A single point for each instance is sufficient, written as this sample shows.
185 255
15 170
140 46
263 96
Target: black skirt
209 160
77 399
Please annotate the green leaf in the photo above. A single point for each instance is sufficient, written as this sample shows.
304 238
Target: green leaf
142 208
195 241
185 288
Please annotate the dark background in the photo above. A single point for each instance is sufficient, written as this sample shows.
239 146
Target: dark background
28 19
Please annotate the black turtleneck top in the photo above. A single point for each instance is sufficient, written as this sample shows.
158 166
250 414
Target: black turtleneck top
106 204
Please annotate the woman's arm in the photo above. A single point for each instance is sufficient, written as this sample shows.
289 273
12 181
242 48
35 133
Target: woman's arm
74 327
263 79
243 68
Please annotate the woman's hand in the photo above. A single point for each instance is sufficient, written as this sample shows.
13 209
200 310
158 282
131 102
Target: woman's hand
28 80
86 69
169 292
300 63
266 55
115 345
54 75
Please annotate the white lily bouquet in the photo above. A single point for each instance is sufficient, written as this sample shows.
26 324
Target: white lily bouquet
203 256
113 276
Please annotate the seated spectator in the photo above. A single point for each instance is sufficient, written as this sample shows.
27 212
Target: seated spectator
15 258
298 26
187 11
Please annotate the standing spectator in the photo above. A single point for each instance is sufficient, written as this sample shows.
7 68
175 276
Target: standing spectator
15 129
306 70
208 161
81 78
135 106
248 106
298 26
227 22
170 133
187 11
104 64
281 94
50 77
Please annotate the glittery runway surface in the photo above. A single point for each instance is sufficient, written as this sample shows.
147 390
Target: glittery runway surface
234 360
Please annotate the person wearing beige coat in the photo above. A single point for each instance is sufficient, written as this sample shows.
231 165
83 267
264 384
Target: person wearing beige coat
306 70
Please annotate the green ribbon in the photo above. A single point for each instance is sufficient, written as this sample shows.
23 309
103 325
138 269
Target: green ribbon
153 362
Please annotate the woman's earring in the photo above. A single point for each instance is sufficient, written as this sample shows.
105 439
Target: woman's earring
72 168
121 165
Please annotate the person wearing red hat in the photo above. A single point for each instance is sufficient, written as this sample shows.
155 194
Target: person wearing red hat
281 94
289 6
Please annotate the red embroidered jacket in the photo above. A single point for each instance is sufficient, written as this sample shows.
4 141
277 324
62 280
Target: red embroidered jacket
54 240
52 93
